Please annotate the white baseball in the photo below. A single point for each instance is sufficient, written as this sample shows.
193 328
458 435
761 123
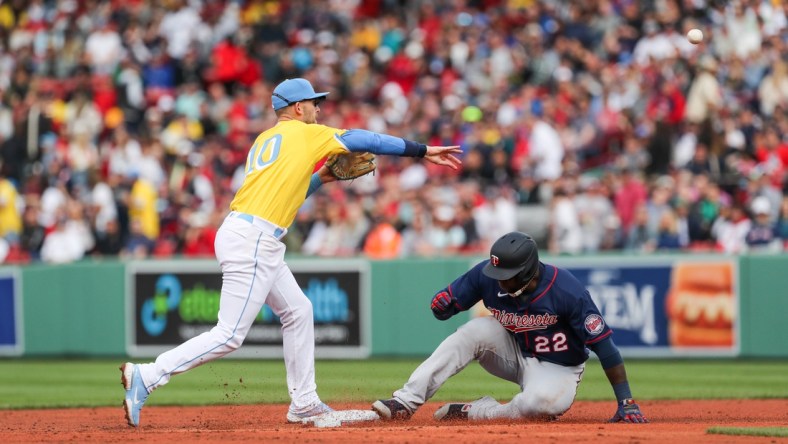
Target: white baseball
695 36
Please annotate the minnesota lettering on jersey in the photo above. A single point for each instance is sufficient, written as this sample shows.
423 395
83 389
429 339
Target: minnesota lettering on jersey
520 323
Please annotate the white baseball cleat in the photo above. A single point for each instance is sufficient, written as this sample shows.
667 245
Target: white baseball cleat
309 415
136 393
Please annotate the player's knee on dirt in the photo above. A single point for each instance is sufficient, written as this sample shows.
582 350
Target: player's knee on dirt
537 402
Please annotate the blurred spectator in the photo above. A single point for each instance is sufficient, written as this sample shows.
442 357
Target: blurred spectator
593 209
763 235
143 213
110 241
773 90
61 245
23 149
10 205
682 223
180 26
138 245
782 222
638 237
83 117
629 195
445 236
32 237
705 211
104 48
199 237
668 232
528 191
565 231
81 158
77 227
730 229
415 237
654 46
473 243
326 237
704 99
546 150
383 240
495 216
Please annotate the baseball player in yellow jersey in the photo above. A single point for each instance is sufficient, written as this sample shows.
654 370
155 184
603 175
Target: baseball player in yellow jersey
278 179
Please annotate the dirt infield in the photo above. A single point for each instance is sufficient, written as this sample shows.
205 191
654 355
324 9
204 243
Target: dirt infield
671 421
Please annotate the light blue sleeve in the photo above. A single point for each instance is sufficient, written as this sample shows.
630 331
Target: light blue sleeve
363 140
314 184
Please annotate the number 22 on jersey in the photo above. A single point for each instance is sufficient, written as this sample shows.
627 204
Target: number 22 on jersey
543 344
263 155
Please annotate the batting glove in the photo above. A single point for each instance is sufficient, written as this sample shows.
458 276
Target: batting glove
444 306
628 411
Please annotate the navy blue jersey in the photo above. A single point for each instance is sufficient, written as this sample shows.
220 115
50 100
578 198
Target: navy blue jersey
555 323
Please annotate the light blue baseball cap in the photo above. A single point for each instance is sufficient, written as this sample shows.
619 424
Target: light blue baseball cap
293 90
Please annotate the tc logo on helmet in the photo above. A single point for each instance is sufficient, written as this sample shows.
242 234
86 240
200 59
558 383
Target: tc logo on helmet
494 260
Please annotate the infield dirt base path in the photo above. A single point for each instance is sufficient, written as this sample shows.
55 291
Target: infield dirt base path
671 422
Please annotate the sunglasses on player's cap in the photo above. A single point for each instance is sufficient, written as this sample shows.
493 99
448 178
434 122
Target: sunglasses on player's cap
294 90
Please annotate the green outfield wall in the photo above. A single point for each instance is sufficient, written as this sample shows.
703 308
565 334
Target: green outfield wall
83 309
74 309
764 305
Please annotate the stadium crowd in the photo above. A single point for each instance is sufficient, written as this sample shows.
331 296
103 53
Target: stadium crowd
124 124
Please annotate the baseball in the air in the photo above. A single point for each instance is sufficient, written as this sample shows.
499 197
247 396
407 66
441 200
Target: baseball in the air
695 36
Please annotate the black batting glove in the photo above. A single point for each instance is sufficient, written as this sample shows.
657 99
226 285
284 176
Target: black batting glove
444 306
628 411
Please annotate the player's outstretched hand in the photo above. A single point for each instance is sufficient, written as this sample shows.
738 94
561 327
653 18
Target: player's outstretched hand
628 411
444 306
444 155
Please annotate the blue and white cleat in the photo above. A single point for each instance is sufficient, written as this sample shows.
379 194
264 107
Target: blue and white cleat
309 415
136 393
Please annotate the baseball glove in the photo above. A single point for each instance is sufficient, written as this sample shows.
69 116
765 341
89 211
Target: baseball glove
348 166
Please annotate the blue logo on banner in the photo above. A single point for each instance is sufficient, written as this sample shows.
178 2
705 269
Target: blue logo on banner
7 312
154 311
329 301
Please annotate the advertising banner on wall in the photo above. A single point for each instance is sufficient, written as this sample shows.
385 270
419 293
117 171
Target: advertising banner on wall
169 302
671 306
11 338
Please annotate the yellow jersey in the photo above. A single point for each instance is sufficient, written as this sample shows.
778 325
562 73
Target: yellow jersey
142 208
10 219
279 166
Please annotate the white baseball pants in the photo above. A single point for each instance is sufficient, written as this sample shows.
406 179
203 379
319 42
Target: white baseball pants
547 389
253 273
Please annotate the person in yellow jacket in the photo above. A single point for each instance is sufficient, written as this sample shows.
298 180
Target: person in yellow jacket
10 219
142 207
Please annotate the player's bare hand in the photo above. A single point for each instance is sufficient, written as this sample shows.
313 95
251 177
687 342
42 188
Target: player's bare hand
444 155
628 411
324 173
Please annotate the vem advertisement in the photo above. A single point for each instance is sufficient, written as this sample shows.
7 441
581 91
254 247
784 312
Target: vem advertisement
10 313
665 307
173 302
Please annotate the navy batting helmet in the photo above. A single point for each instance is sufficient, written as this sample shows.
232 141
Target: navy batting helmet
513 254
